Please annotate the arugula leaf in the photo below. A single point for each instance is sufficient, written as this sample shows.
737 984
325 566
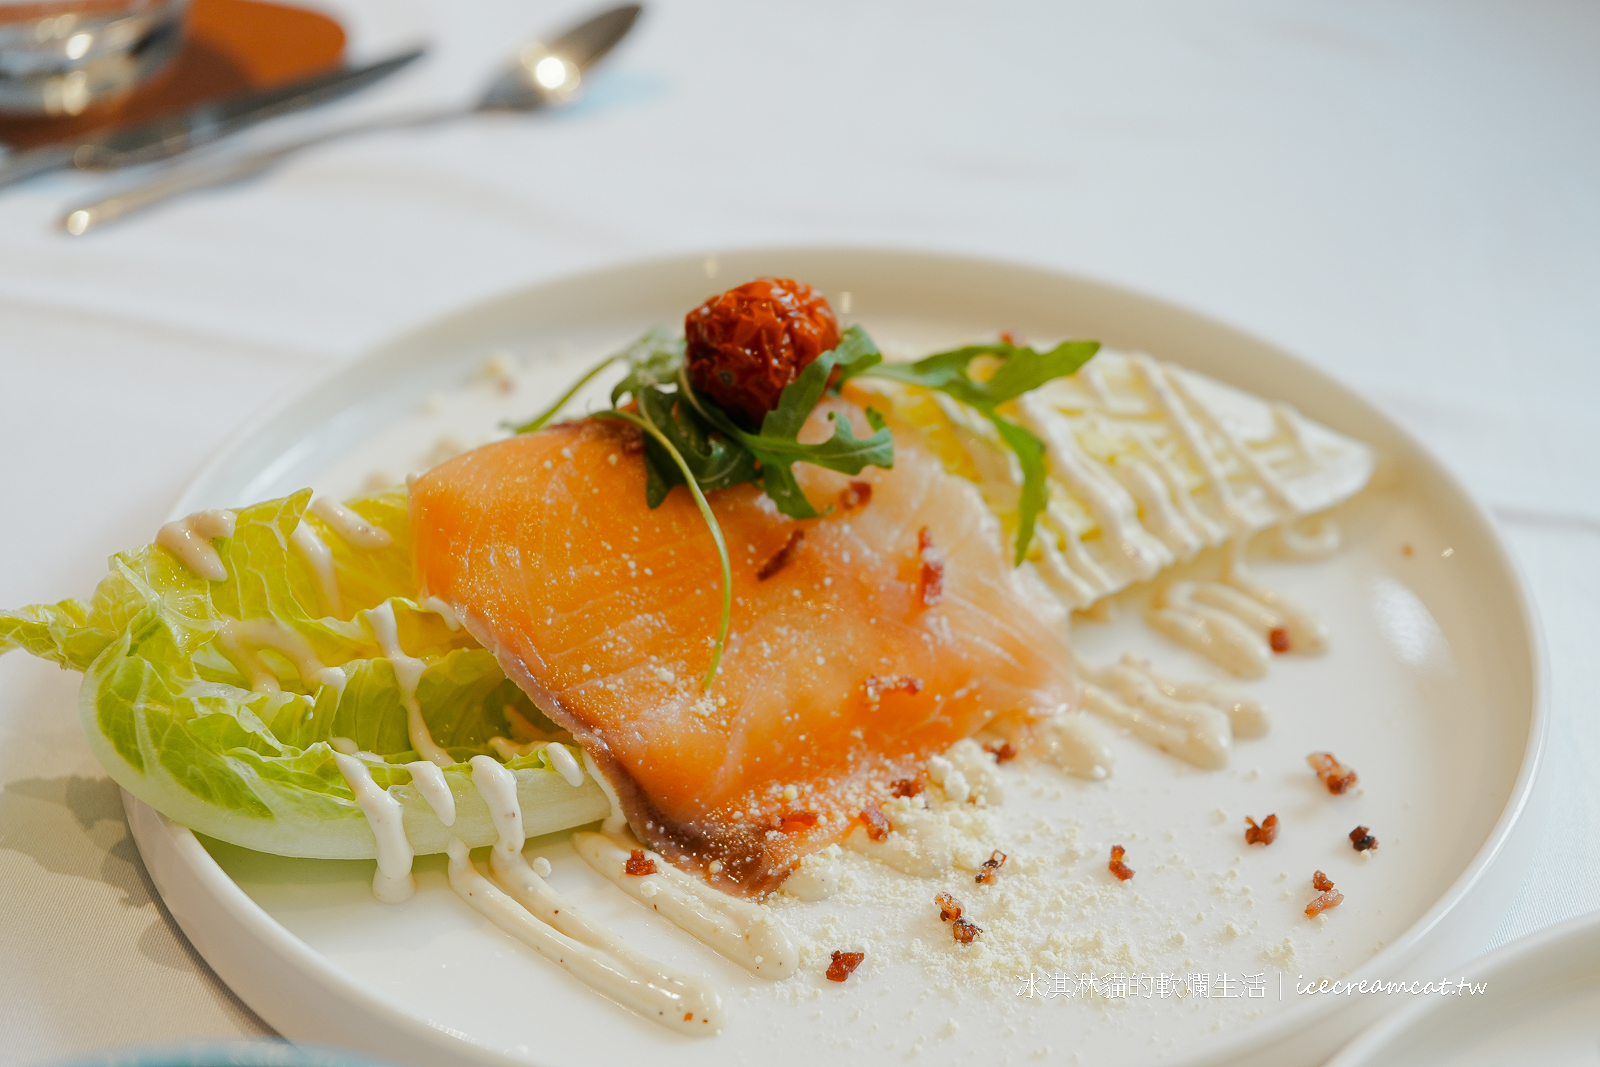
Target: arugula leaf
777 447
1023 369
653 360
713 459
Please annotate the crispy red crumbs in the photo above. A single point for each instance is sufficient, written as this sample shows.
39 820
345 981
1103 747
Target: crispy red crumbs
639 864
791 821
1265 834
930 581
843 963
949 907
688 1015
877 685
1335 775
1002 753
1278 638
1322 902
965 932
1361 840
906 787
780 559
1321 882
877 822
855 495
1118 868
991 867
1012 337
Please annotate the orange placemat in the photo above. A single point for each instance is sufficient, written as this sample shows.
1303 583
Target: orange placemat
231 46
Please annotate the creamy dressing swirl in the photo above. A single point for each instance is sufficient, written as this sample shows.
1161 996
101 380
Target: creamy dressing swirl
190 538
407 672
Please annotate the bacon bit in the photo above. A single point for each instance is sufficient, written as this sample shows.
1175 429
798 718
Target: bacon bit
877 685
1265 834
781 558
1118 868
1278 638
1321 882
791 821
1322 902
907 787
930 582
855 495
639 864
965 932
1002 753
949 907
844 963
877 822
991 867
1335 775
1012 337
1361 840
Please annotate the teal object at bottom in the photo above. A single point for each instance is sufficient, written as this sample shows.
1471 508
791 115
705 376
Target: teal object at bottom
229 1053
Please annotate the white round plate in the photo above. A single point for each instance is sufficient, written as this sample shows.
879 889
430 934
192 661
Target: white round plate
1536 1000
1432 690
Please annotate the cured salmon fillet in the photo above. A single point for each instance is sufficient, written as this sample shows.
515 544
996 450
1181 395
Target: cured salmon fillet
891 628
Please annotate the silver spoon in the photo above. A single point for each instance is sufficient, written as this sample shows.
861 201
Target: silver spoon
540 76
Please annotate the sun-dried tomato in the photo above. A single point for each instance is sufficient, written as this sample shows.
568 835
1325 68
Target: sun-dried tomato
930 579
877 822
855 495
1322 902
844 963
1278 638
745 345
1265 834
1002 753
907 787
965 932
780 559
991 867
639 864
1361 840
949 907
1118 868
1321 882
1335 775
791 821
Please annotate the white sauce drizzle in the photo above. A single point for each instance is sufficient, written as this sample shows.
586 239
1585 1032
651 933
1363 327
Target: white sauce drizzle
680 1003
350 748
441 609
565 765
1230 622
319 557
1113 508
1314 537
1255 464
429 781
1171 404
407 672
240 639
1076 744
189 539
528 909
392 882
1193 722
745 933
349 525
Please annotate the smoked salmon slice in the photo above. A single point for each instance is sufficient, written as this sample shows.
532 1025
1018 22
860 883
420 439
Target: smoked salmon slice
861 642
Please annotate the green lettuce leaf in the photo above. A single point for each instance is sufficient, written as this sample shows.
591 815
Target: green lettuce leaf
175 722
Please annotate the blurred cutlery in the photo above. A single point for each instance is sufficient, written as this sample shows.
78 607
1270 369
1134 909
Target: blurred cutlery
168 135
540 76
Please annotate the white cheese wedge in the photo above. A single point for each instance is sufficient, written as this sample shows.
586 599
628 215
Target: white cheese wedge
1150 463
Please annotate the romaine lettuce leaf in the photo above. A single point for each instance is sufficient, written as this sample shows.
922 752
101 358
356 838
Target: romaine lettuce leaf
174 720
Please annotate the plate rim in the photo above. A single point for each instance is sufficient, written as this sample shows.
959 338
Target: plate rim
1261 1036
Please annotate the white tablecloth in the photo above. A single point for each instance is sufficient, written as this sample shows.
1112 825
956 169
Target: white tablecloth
1405 194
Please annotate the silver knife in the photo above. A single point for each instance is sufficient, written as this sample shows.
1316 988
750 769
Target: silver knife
541 76
168 135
